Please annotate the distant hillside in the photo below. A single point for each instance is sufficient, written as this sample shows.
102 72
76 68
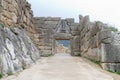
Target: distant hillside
65 43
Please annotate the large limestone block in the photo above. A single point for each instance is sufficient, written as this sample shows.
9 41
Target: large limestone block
62 36
105 34
87 36
38 30
93 54
116 38
93 42
74 33
110 53
85 46
14 18
76 41
115 67
74 26
95 28
84 22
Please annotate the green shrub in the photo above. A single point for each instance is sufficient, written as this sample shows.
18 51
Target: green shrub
9 74
47 55
97 62
2 25
113 28
1 75
78 54
118 73
23 68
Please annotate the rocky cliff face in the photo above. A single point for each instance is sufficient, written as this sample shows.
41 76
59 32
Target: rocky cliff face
17 50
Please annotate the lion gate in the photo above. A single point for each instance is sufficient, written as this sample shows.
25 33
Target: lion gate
93 40
51 29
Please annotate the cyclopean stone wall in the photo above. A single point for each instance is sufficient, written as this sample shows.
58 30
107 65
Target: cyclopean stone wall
92 40
17 12
99 43
75 40
44 34
90 44
110 52
17 50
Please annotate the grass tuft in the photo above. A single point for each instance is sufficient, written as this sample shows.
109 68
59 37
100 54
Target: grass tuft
47 55
94 61
114 72
9 74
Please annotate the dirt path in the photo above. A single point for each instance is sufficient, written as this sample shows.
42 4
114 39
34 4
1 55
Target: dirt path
61 67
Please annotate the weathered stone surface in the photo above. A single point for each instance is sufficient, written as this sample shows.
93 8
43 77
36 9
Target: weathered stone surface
116 38
105 34
70 20
110 53
93 54
115 67
97 42
62 36
17 50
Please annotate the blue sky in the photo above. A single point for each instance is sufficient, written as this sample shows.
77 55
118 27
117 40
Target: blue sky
106 11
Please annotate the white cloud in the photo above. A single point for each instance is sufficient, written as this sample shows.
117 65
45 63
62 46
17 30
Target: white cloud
104 10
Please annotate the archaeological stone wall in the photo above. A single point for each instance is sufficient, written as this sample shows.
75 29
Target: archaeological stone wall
46 34
19 31
93 40
14 13
17 49
44 27
99 43
75 40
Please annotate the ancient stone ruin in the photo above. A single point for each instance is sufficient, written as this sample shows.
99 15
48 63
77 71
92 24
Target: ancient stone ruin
24 38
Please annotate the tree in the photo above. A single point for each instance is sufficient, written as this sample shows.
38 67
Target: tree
113 28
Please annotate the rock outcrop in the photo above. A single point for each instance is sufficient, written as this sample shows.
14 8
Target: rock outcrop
17 50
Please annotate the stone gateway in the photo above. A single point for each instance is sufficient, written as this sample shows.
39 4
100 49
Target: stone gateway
24 38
